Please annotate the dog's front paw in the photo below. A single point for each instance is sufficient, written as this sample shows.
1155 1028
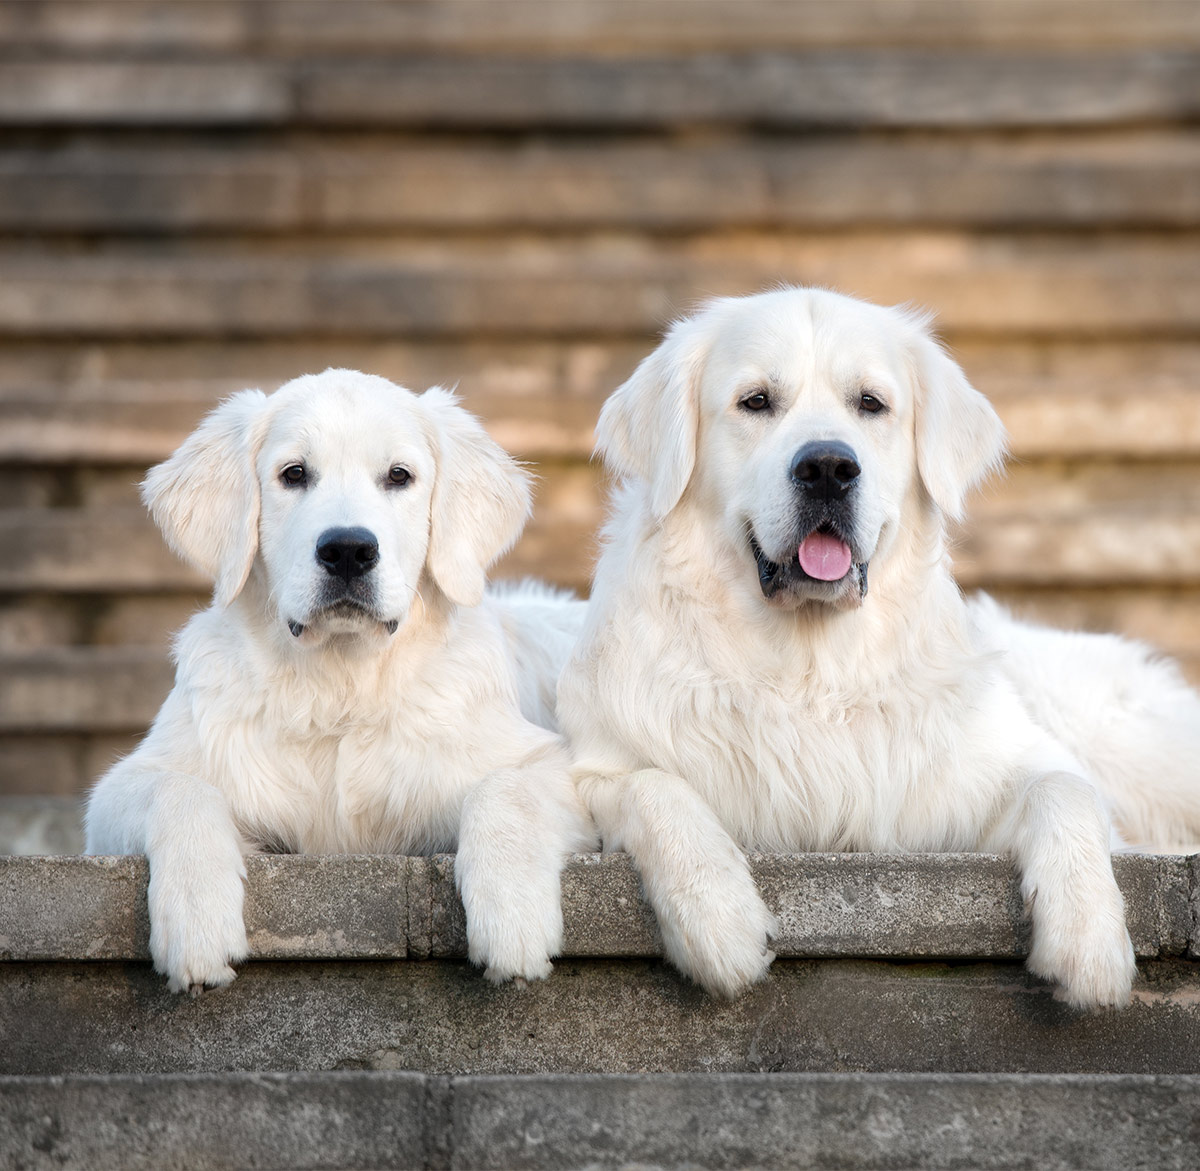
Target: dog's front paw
514 921
510 944
718 932
197 932
1087 954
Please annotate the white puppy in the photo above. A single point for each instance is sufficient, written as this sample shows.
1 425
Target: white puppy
776 657
352 688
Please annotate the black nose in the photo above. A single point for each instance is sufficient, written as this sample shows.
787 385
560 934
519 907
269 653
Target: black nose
347 553
826 468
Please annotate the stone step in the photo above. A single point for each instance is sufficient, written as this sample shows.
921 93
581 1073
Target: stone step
887 963
841 89
1147 180
1029 285
590 1016
355 1120
342 906
200 28
122 425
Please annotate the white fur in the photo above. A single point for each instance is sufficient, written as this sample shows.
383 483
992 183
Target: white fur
708 720
407 723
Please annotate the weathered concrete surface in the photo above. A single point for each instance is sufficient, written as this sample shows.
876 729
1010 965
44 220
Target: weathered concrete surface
88 908
1194 906
317 906
265 1121
807 1121
41 825
946 905
297 907
397 1120
341 906
597 1016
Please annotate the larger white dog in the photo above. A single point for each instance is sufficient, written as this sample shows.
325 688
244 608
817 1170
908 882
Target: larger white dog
352 688
776 656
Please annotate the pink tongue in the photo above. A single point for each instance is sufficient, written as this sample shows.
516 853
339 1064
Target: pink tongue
825 557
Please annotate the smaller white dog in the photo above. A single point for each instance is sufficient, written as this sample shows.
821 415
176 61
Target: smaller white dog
352 688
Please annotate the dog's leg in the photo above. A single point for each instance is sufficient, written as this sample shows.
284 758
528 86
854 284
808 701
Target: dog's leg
517 827
185 829
714 923
1060 835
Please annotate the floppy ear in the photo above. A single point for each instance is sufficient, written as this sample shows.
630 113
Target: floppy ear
960 439
647 428
205 498
481 500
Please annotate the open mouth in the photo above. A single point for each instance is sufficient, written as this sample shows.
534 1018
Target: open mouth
822 557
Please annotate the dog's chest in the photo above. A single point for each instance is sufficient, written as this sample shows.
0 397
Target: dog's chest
790 765
369 786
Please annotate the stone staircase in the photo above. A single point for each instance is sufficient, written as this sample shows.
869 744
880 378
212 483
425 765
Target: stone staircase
512 195
897 1029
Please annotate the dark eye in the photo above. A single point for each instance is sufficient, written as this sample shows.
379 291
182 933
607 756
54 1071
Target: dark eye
399 476
870 405
758 401
294 476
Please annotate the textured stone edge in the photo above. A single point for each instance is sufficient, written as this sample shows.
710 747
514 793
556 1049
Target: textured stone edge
1193 906
926 906
354 1119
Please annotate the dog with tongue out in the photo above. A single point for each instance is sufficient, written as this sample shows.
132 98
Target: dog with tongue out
738 688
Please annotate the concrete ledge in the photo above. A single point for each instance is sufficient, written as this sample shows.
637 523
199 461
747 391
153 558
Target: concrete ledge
402 1120
948 906
590 1016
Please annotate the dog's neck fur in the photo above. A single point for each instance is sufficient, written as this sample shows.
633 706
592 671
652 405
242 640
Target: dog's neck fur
831 655
347 675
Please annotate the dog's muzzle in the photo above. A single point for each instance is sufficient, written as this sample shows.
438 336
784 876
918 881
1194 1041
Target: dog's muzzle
822 563
347 555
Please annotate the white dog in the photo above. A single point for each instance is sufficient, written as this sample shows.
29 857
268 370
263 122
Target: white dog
776 657
352 688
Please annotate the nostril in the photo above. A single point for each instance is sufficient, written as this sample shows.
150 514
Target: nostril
847 470
365 554
807 472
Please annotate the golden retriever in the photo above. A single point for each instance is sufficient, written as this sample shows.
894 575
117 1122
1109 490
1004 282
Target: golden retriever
353 687
777 658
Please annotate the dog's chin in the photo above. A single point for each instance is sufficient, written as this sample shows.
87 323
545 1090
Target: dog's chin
786 586
341 619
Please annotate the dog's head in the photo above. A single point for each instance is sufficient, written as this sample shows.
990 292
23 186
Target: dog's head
345 493
810 426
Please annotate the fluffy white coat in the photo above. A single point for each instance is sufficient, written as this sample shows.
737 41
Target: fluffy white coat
392 707
710 716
